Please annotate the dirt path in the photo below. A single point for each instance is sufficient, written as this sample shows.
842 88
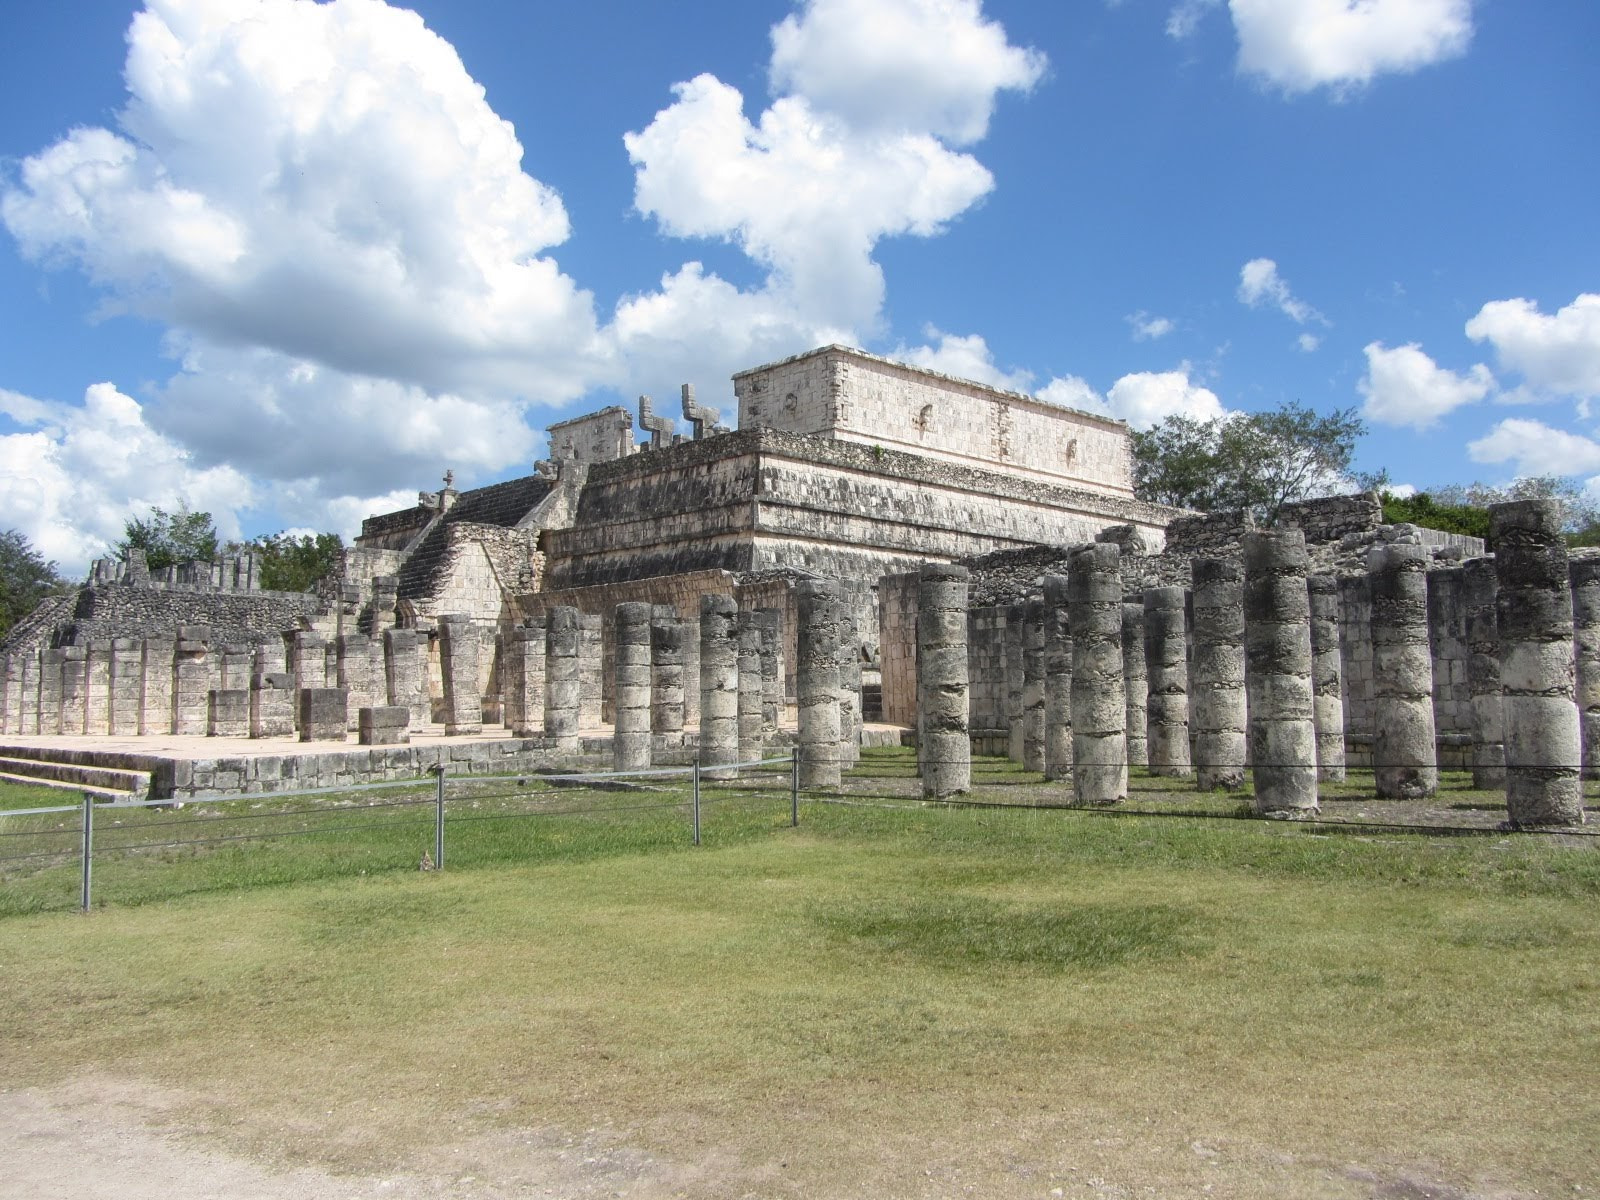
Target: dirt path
100 1138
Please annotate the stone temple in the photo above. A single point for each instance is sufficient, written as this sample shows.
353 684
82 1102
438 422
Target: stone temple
659 592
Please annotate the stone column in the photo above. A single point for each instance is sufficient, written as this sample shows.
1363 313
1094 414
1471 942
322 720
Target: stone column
458 671
748 635
524 679
1538 666
849 688
769 621
666 681
52 665
691 669
31 662
1016 616
817 680
630 739
591 668
1166 653
127 673
156 674
719 682
944 747
97 689
561 681
1277 640
1404 744
403 676
74 682
1216 678
1135 681
1479 588
1327 691
1585 575
1033 684
272 704
308 660
1099 703
1355 658
354 674
1057 680
191 681
11 704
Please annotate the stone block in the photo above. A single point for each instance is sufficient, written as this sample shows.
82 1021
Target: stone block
322 714
228 712
383 725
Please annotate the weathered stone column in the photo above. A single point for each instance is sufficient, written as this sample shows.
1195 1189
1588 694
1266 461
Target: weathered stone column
1099 704
127 674
561 678
308 660
11 702
458 671
354 674
630 739
155 686
403 674
1479 588
1277 641
666 680
523 684
691 669
1016 615
191 680
1057 680
849 687
1585 575
1404 744
944 747
817 681
1033 684
591 668
97 688
769 621
1327 691
31 661
1538 667
1135 682
272 704
719 682
1216 674
748 641
51 664
1166 653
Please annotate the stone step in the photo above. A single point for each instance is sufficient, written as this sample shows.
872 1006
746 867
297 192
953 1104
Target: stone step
69 791
112 781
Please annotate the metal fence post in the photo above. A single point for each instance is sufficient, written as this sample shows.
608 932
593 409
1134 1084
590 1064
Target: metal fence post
695 791
88 844
794 787
438 823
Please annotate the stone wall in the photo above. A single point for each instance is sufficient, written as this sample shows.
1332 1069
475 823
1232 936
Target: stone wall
118 610
897 640
847 395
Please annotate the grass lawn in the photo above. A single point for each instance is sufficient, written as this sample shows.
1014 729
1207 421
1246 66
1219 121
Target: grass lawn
887 1001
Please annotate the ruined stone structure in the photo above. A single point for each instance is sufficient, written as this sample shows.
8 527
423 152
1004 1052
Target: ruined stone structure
1277 640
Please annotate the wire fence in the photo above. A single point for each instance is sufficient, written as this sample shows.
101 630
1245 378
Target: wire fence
94 832
390 824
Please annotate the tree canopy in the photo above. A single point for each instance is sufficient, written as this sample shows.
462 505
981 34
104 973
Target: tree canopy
26 577
1464 508
1256 461
296 564
170 538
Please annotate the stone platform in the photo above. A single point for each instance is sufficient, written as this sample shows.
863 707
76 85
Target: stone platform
183 767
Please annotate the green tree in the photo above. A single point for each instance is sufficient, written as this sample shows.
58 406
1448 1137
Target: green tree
296 564
26 577
170 538
1424 509
1256 461
1464 507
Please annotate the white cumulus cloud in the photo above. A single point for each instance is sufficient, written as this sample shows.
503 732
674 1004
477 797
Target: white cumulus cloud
901 66
1260 283
1142 399
1535 448
71 481
1403 386
1557 355
1301 45
965 357
1148 328
325 180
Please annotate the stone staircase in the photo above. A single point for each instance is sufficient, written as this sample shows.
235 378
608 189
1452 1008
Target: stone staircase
105 776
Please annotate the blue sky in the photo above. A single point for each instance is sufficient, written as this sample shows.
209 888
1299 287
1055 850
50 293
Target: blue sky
289 262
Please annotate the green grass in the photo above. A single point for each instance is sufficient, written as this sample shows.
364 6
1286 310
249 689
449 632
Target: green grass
904 1001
